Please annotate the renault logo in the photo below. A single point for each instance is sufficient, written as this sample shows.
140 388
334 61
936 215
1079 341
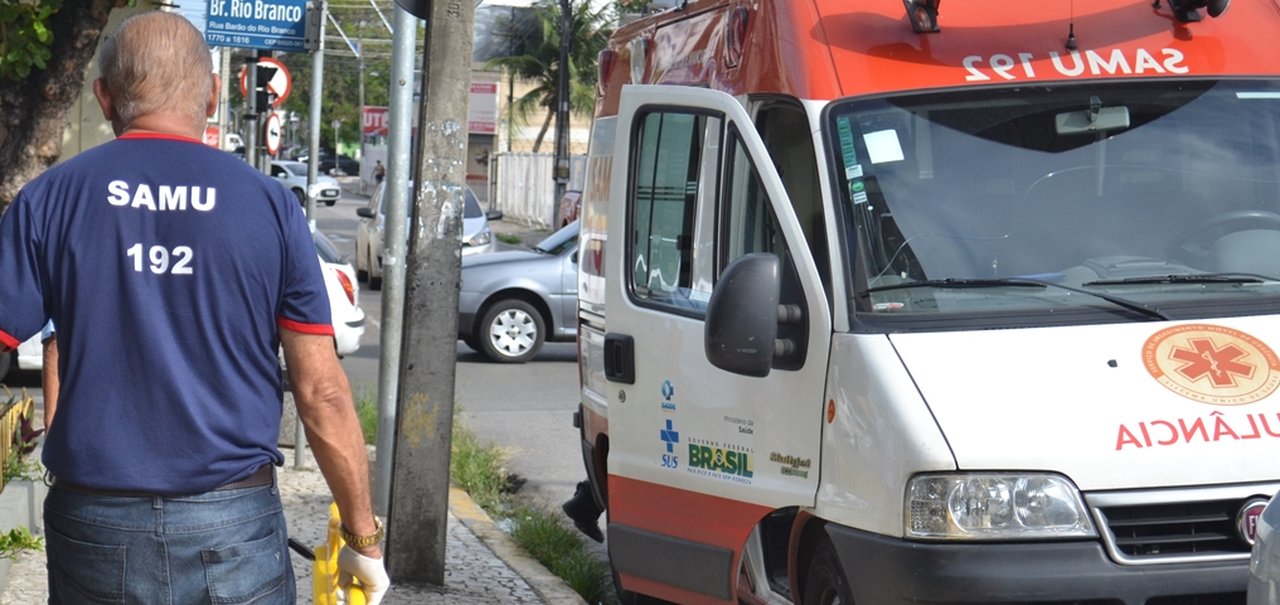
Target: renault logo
1247 519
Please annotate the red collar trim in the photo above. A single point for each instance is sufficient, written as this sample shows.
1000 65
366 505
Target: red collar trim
158 135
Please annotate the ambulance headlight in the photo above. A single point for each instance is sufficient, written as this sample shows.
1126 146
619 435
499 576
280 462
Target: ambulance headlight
991 506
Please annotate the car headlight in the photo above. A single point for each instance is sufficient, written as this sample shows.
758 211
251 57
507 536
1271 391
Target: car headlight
483 237
993 506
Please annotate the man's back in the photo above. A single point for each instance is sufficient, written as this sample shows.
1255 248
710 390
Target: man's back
166 266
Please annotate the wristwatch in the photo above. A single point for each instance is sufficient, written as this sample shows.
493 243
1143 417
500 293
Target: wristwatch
355 541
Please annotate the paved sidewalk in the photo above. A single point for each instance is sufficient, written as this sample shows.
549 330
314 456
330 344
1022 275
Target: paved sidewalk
482 565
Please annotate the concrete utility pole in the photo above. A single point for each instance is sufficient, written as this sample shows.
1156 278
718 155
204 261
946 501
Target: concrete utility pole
418 515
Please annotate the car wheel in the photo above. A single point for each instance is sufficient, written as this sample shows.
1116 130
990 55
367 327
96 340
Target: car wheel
302 197
512 331
330 203
375 281
826 584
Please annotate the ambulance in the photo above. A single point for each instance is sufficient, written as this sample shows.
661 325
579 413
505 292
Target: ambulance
887 301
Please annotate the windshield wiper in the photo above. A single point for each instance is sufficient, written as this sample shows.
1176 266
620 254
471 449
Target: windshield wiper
1023 282
1187 278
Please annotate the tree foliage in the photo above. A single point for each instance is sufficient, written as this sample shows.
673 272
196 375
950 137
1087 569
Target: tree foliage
538 61
45 46
25 36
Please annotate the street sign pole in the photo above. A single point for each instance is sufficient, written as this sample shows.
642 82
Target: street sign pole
405 43
251 122
317 97
418 514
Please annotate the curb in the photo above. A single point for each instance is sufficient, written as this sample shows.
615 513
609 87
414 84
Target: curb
550 588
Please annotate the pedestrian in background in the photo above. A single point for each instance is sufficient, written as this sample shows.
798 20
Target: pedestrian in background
379 171
173 271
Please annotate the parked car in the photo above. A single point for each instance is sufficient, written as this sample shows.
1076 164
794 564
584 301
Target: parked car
294 176
1264 566
28 356
513 301
570 204
476 235
344 295
337 166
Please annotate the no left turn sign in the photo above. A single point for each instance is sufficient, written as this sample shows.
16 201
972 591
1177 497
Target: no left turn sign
280 84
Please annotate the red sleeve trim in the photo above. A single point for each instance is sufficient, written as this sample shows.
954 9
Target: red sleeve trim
157 135
304 328
8 341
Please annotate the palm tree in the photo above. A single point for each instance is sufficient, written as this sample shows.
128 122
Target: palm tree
540 61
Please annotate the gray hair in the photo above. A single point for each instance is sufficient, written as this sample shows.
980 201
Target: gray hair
156 62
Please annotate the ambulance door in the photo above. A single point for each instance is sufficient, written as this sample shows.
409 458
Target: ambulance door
698 454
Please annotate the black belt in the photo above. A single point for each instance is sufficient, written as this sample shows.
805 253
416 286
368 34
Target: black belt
265 475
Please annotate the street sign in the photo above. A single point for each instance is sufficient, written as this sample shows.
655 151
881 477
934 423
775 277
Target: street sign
273 132
376 120
280 84
265 24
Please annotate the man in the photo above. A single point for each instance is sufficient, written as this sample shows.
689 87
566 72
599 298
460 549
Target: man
173 271
379 171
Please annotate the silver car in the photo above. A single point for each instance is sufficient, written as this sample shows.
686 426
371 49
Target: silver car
476 235
1264 566
512 301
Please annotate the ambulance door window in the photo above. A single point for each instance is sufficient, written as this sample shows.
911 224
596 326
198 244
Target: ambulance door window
751 225
784 129
671 164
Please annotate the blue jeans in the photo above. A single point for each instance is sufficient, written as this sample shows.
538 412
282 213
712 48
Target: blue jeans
220 547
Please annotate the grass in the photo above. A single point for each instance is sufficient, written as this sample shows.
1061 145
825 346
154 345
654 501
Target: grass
508 238
479 468
367 412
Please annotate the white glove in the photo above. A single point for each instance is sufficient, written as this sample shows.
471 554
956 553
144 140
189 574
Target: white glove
369 571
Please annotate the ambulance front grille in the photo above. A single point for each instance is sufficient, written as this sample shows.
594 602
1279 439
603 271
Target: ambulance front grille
1175 526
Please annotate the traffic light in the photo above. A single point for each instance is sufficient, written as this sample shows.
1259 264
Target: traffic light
263 98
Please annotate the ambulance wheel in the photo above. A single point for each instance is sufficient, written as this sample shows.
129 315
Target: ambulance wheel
512 331
826 584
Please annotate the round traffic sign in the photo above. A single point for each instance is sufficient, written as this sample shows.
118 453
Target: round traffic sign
273 132
280 84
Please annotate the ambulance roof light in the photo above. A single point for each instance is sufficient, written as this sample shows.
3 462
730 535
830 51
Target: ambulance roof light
923 15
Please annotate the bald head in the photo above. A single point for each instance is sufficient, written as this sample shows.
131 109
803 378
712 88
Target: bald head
155 67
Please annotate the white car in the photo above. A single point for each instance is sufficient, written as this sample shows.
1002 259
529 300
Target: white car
476 235
344 296
294 176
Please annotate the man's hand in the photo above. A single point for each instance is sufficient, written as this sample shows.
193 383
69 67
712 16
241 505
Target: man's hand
368 570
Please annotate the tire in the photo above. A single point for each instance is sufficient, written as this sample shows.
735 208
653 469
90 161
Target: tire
330 203
375 281
302 197
362 272
825 583
512 331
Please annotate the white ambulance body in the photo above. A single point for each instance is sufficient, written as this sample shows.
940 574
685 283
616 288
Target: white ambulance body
979 315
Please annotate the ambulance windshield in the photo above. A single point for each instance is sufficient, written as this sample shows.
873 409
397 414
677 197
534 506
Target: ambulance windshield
954 201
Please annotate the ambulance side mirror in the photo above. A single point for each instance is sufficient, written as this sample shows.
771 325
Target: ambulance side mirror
742 316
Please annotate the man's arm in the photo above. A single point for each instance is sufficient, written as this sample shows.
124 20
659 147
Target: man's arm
49 380
323 398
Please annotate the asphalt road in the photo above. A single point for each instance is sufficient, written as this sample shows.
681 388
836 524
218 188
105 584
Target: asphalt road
527 409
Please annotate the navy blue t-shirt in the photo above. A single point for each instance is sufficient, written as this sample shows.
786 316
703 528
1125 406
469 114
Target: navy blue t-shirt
169 268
